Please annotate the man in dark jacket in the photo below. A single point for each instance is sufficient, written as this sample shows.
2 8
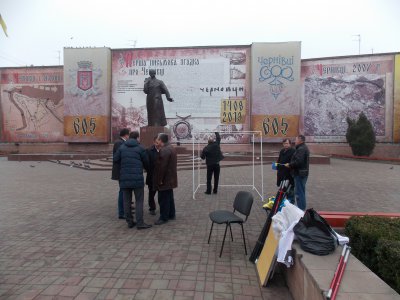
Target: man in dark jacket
213 155
299 164
166 179
133 158
116 167
152 153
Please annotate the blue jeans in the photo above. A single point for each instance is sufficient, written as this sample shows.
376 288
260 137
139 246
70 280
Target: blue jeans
290 195
300 191
120 203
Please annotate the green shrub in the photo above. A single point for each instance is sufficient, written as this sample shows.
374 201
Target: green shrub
360 135
370 238
388 256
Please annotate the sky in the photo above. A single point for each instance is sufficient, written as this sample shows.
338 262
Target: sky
39 29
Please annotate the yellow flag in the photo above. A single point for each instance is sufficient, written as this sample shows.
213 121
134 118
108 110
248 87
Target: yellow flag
3 25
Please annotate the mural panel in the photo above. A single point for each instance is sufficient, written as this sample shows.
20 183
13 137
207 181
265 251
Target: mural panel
335 89
31 104
198 79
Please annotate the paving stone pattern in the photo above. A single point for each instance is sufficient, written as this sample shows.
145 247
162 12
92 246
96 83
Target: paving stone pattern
60 238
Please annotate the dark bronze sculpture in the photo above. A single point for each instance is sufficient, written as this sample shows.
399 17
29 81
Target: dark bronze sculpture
154 89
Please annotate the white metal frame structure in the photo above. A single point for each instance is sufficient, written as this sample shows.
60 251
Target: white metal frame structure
196 185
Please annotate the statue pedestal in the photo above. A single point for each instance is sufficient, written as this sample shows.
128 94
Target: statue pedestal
148 133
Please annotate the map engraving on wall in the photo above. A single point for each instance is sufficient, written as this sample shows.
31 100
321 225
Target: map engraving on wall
32 105
335 90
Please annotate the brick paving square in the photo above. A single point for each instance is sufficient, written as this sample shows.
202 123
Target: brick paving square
60 238
71 291
86 296
53 290
159 284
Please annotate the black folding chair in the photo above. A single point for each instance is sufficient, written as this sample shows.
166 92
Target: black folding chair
243 202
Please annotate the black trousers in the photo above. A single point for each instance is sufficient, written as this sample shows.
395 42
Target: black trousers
152 194
212 169
167 204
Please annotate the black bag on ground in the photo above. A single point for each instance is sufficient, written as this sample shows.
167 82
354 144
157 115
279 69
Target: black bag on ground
314 234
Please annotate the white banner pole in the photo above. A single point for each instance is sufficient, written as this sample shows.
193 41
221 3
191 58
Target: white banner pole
262 166
193 167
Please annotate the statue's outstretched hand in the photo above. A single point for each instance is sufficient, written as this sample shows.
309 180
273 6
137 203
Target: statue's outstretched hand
170 99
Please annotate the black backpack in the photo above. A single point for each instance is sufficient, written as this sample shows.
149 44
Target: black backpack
314 234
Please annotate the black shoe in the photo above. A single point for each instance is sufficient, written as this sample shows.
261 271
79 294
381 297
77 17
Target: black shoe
153 212
172 218
121 217
207 193
215 192
131 224
143 226
160 222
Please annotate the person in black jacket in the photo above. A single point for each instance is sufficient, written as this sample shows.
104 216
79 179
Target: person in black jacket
133 158
213 155
116 167
299 164
283 173
152 153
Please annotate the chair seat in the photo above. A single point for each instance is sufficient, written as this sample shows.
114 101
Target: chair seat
224 216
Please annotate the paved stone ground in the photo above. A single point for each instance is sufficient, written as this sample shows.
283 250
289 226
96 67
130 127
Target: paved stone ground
60 238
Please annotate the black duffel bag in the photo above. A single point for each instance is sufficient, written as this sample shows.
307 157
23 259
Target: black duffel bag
314 234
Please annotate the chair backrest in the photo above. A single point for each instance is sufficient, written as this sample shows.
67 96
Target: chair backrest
243 203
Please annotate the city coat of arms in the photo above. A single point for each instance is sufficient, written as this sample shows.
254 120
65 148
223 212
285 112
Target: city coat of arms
85 77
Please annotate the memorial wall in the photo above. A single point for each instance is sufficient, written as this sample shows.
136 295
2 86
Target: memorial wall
396 101
32 104
275 97
209 85
87 79
334 89
233 89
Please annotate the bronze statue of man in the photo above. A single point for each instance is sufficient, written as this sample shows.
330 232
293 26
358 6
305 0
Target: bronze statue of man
154 89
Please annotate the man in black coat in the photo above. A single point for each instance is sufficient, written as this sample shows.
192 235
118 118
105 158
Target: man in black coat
213 155
299 164
152 153
133 158
116 167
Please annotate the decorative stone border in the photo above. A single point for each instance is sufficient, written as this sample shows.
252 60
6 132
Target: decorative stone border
311 275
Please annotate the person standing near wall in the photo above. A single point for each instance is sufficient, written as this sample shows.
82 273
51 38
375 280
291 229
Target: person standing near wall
299 164
213 155
116 167
166 179
152 153
133 158
283 173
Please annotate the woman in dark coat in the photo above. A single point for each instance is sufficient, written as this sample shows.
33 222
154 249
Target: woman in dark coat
285 155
